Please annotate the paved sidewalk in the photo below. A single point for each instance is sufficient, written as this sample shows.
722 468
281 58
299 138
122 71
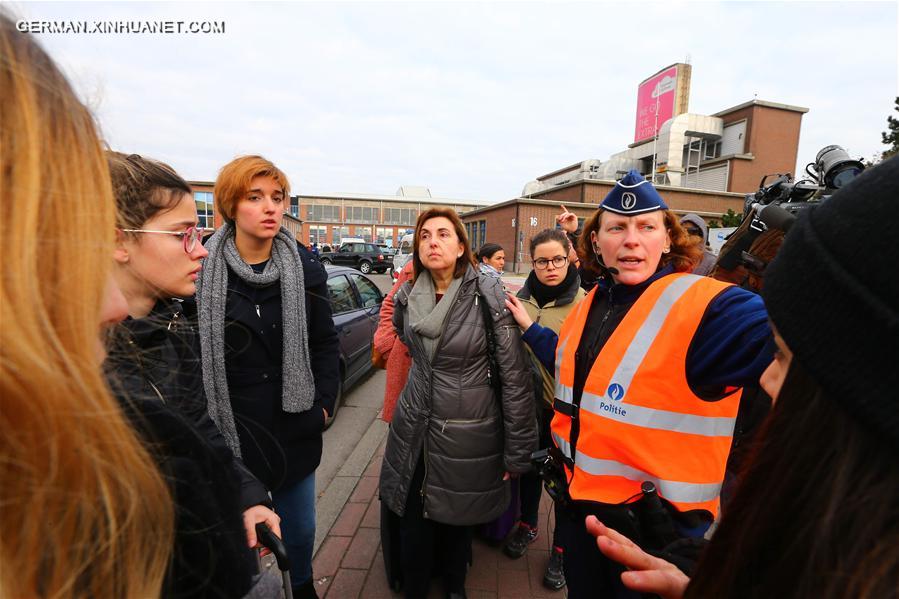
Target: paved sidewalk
349 564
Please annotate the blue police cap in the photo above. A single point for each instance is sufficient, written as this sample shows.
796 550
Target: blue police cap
633 195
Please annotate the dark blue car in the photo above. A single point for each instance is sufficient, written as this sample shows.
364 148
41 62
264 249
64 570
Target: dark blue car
356 307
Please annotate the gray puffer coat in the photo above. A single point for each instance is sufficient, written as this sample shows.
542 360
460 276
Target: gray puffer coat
448 411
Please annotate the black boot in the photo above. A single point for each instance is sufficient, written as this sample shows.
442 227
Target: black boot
305 590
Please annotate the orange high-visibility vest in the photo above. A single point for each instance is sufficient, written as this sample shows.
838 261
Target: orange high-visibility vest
639 420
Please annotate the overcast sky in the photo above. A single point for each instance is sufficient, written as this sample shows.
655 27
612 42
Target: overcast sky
472 100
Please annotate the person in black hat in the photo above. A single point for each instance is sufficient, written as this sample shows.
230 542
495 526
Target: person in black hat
648 371
817 510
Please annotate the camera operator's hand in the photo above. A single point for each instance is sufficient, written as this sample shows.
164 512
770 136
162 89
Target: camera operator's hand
646 574
567 220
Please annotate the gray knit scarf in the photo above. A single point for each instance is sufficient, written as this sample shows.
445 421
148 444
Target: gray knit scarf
426 315
298 386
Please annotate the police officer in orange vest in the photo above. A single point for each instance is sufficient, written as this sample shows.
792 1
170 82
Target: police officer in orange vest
648 369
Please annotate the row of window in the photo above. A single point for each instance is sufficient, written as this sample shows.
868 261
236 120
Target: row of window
319 234
325 213
362 214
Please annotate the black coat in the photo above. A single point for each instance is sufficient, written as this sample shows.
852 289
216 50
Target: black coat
153 369
280 448
158 357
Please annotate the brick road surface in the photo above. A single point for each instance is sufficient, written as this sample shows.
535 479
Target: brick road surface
349 564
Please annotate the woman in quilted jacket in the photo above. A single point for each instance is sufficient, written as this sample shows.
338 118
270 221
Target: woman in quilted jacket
464 423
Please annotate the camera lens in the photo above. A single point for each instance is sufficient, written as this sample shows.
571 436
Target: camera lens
836 167
844 176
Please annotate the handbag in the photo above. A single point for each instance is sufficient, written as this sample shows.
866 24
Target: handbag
377 358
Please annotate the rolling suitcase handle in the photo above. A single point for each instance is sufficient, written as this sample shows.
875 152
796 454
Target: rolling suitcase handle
268 539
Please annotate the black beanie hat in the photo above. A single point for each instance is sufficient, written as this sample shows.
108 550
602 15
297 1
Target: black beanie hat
832 291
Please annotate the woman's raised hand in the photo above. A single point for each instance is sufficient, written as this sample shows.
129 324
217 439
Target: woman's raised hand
567 220
518 312
646 574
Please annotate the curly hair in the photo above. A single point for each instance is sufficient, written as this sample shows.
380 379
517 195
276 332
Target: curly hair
685 254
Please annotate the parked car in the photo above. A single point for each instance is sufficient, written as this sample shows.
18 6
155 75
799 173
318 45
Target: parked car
364 257
403 254
356 308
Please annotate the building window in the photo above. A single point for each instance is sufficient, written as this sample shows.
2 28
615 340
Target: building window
468 233
327 214
317 234
712 150
364 233
295 206
363 214
384 234
400 216
482 225
205 208
338 233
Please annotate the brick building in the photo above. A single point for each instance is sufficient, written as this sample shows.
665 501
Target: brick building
326 219
701 164
375 218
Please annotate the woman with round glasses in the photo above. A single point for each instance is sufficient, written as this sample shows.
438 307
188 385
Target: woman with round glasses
550 292
154 363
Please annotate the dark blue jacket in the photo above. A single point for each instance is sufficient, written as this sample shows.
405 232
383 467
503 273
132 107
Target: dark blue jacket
278 447
731 348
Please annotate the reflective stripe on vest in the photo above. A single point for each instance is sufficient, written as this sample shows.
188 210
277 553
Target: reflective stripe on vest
629 432
674 491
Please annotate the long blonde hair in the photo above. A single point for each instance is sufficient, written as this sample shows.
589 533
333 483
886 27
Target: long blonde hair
84 512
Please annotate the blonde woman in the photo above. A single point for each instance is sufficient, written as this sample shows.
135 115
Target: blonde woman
84 510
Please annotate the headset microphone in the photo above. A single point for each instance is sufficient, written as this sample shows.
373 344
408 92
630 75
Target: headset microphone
609 269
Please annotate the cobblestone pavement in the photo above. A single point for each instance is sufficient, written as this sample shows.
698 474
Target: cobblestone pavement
349 563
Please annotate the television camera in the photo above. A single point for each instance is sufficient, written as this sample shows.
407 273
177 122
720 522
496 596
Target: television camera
775 205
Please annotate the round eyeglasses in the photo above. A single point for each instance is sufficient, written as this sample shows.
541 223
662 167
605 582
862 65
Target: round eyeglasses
543 263
189 237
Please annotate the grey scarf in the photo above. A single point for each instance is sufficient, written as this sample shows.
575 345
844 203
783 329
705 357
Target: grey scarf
426 315
298 386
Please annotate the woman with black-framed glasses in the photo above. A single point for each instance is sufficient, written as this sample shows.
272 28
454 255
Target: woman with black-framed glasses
550 292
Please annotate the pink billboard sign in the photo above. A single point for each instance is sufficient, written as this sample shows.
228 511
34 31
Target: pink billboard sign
655 103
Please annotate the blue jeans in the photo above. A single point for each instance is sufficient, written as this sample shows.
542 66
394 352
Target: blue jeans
296 506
